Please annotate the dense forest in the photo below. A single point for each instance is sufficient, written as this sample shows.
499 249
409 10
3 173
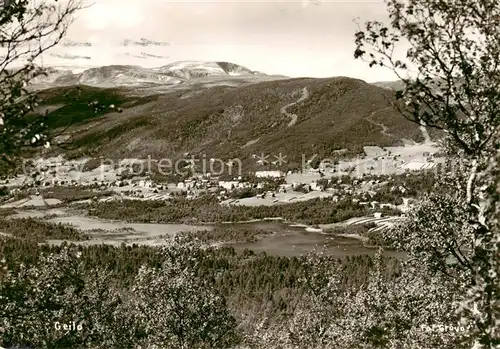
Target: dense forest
249 284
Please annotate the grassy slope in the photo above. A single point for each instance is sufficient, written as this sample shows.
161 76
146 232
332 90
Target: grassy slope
218 121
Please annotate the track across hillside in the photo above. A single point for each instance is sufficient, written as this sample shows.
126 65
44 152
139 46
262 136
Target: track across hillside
385 129
294 117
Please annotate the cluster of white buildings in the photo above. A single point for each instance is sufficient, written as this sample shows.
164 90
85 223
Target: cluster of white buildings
58 172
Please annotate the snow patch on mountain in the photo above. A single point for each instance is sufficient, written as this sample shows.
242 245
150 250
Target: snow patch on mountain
198 69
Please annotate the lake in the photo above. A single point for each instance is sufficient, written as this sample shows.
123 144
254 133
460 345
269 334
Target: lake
286 238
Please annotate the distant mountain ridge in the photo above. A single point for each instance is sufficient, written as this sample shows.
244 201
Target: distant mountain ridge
391 85
171 74
225 121
130 75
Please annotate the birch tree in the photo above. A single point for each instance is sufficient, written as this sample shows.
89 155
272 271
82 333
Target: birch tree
175 308
451 76
28 28
57 302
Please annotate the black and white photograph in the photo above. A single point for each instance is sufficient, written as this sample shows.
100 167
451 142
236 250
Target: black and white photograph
250 174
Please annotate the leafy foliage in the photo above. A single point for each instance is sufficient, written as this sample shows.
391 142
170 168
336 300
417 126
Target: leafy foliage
452 83
220 295
27 29
187 313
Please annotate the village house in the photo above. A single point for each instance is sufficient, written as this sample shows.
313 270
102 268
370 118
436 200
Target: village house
228 185
315 186
267 174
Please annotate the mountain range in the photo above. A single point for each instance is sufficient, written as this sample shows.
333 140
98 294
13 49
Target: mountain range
132 75
218 109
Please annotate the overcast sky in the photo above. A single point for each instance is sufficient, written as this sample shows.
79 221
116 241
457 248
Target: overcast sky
294 38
